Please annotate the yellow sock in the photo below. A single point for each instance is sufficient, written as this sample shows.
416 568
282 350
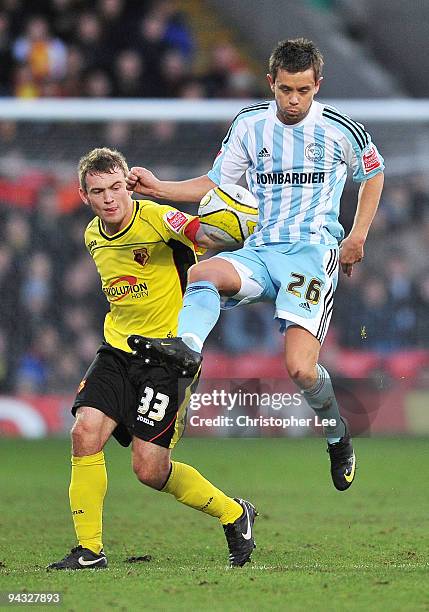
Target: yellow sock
88 487
190 488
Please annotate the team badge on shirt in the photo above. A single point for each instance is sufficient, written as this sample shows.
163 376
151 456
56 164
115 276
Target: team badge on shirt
314 152
141 256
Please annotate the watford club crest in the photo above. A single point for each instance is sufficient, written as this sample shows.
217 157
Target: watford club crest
141 256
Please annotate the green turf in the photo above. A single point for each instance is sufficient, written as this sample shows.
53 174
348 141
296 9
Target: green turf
318 549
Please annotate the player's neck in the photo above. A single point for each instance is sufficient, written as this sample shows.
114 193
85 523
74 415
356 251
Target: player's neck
115 228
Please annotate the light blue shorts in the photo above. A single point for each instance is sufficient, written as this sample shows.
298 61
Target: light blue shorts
299 278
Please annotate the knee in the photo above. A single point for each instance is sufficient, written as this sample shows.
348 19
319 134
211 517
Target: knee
304 375
85 438
217 271
153 475
203 272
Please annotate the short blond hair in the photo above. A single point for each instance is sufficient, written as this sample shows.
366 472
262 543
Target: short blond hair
100 160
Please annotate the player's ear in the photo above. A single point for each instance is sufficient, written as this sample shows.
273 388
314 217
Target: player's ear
316 89
83 196
270 82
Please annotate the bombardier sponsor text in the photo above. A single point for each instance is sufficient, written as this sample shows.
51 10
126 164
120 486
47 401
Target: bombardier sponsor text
289 178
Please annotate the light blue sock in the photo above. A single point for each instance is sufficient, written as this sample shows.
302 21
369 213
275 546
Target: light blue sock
321 398
199 314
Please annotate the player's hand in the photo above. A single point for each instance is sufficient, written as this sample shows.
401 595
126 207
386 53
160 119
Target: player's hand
142 180
351 252
208 240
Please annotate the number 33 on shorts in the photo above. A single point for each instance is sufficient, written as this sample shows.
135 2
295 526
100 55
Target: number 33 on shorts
153 406
160 405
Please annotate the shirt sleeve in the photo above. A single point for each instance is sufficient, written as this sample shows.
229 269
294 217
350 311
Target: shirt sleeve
173 223
232 160
363 158
89 237
168 222
176 224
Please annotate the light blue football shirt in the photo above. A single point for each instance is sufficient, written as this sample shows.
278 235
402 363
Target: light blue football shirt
296 172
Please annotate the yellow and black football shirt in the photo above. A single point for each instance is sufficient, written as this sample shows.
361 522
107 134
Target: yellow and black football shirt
143 271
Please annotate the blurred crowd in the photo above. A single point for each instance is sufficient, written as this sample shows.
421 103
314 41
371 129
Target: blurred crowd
110 48
385 305
53 308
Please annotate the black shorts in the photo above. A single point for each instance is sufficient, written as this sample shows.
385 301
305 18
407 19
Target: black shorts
149 402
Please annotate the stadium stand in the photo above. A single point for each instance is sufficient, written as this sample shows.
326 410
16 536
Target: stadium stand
50 297
351 71
395 33
73 48
49 286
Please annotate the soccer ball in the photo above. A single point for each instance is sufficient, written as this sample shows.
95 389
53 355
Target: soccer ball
230 213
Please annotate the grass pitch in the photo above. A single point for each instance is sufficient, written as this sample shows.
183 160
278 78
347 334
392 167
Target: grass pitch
318 549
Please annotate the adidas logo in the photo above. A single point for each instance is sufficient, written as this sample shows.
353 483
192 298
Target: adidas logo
306 306
264 152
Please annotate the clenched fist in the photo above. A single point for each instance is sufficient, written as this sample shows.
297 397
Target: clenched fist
143 181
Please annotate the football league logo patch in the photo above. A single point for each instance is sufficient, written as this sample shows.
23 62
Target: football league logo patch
175 219
370 160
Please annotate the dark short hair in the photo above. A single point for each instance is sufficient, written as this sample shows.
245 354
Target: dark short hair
296 56
98 161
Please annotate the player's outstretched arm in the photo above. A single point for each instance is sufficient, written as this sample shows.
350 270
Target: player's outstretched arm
143 181
351 250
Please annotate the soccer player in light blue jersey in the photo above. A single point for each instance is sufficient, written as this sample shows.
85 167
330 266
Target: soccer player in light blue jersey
295 153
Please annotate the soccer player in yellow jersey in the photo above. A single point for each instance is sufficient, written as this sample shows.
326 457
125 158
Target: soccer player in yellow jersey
142 252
